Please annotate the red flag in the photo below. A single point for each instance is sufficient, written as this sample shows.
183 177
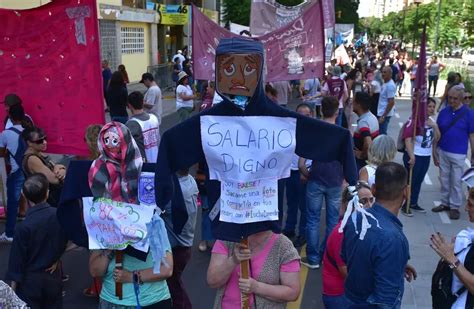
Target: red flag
50 57
420 94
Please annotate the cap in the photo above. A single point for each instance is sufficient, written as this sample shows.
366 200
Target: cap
180 51
182 75
337 71
330 69
147 76
468 177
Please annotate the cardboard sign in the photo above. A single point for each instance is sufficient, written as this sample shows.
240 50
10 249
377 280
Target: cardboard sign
248 148
116 225
251 201
172 14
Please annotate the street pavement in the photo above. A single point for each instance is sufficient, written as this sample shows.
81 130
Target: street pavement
418 230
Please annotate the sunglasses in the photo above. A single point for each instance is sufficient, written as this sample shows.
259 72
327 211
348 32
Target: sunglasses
39 141
468 97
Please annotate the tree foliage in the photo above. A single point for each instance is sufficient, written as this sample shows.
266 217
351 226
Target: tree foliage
456 25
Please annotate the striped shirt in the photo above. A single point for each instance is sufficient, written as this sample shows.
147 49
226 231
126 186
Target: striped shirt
367 125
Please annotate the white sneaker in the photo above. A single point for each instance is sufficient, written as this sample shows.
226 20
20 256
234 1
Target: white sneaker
5 239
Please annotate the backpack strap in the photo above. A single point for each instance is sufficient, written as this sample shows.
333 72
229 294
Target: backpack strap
331 259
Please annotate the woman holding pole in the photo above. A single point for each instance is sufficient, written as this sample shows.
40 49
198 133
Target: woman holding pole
274 272
417 155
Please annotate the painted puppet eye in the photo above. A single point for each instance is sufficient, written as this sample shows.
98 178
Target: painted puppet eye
249 70
115 142
106 140
229 70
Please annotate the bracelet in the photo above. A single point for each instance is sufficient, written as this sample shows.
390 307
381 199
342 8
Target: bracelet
137 277
455 264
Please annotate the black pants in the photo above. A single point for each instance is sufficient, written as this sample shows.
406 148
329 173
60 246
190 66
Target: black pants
42 290
181 257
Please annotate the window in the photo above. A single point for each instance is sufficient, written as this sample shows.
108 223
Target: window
133 40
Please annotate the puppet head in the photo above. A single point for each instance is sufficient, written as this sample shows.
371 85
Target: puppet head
239 66
115 173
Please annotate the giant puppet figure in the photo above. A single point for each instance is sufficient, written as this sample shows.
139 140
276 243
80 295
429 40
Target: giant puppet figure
239 80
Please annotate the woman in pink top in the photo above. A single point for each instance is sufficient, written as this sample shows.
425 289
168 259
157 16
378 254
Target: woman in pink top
334 268
274 272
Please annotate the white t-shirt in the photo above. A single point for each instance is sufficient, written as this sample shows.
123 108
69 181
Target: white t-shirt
153 97
9 140
424 143
387 92
181 58
187 91
375 86
9 123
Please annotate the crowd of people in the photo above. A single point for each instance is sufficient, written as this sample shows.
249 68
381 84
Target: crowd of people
355 273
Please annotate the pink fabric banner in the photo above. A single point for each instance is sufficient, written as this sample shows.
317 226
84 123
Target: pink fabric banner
329 14
419 117
295 51
50 58
269 15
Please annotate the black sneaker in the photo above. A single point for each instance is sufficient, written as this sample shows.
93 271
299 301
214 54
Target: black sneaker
417 208
305 262
406 212
299 242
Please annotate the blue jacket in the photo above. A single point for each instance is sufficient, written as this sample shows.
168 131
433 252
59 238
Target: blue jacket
376 264
181 148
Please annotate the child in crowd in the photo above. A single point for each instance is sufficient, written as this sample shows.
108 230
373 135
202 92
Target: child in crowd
36 249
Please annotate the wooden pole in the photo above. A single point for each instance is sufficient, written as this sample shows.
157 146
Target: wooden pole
415 122
118 265
245 274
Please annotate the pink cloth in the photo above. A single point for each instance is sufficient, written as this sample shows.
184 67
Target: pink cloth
294 51
50 57
231 299
333 282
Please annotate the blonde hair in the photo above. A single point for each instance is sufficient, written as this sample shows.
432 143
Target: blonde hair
92 134
382 149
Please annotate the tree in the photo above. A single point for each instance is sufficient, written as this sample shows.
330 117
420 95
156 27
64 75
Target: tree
346 12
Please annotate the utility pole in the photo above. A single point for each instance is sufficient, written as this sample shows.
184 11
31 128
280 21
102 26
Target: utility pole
437 26
417 3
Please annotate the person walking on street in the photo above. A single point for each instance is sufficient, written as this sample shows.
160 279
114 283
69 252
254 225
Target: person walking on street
153 101
377 261
324 187
184 97
337 87
386 106
418 154
367 128
456 123
106 76
434 69
116 98
144 127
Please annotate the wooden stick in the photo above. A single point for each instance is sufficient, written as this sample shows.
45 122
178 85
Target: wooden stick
245 274
410 174
118 265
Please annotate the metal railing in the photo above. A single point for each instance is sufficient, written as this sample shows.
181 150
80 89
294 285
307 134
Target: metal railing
162 74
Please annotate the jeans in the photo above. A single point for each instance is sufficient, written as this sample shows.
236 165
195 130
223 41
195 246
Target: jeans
432 80
422 163
295 199
14 185
315 193
339 117
206 232
335 302
383 127
41 290
181 257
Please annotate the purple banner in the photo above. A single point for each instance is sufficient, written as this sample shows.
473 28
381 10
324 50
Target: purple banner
329 14
296 51
420 95
268 15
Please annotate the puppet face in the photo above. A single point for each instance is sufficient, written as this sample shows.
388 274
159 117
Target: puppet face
238 74
112 141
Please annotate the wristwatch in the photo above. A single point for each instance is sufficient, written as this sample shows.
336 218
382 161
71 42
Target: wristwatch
455 264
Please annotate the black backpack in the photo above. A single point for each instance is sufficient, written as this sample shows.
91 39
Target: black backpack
442 280
20 151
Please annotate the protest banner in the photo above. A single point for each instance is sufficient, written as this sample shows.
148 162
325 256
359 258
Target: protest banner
50 58
295 51
248 148
116 225
344 33
250 201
